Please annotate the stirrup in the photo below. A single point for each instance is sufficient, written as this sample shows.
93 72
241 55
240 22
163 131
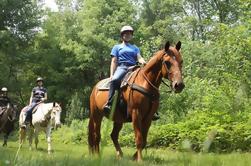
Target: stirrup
23 126
107 109
155 117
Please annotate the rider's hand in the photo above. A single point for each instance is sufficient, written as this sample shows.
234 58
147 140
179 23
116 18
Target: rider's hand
143 64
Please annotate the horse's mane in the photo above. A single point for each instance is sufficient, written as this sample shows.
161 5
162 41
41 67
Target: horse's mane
51 103
48 105
158 55
154 59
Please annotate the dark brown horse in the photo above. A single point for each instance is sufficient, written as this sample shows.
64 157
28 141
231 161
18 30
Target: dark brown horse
141 96
7 118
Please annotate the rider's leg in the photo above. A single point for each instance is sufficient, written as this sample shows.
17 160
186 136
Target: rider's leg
29 113
115 84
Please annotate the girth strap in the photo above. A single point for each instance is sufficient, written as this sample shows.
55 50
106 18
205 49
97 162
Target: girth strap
144 91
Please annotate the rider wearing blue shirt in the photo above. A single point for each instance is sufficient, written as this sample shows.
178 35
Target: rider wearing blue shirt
123 56
125 53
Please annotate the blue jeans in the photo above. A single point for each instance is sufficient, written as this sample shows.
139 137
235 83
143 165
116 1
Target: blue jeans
117 77
29 111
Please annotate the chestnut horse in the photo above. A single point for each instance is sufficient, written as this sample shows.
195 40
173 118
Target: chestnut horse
141 96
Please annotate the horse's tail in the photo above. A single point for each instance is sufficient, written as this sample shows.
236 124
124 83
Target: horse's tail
94 124
91 120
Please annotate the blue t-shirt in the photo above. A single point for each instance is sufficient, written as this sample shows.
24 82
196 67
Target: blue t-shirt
125 53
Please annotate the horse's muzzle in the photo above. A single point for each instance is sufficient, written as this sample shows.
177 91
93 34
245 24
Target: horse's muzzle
178 87
58 125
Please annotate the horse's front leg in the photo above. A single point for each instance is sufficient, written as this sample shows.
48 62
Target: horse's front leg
137 125
48 137
22 134
5 138
115 135
31 137
36 136
22 131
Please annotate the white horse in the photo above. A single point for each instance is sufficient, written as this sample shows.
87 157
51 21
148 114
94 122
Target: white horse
46 117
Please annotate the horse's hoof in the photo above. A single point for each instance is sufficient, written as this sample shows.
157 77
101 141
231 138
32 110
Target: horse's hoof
4 145
135 156
119 155
49 152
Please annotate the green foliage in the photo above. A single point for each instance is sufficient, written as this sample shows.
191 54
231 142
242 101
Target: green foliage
222 132
75 110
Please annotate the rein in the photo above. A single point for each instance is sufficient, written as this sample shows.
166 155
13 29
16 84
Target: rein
5 109
146 91
150 83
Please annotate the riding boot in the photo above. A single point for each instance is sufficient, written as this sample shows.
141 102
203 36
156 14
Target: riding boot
156 116
23 125
108 105
27 120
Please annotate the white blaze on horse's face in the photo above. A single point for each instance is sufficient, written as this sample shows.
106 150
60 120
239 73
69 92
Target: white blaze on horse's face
11 111
172 69
55 115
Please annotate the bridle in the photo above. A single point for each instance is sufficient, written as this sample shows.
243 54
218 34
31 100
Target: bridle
167 71
54 109
12 111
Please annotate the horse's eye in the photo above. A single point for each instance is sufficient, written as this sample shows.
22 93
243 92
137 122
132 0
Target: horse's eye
168 64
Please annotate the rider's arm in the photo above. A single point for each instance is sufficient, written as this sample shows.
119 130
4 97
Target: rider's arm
113 66
31 97
141 59
45 97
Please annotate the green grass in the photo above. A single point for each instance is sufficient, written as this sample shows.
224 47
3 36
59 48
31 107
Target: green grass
69 154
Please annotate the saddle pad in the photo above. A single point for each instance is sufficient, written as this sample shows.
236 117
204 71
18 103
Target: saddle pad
25 109
104 84
127 78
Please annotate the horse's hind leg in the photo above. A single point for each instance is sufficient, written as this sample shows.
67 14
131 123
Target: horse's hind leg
115 135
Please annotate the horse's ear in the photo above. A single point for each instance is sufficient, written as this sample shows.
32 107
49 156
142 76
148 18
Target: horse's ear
178 46
167 45
54 104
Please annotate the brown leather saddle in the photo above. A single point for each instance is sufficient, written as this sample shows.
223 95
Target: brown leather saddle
104 85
